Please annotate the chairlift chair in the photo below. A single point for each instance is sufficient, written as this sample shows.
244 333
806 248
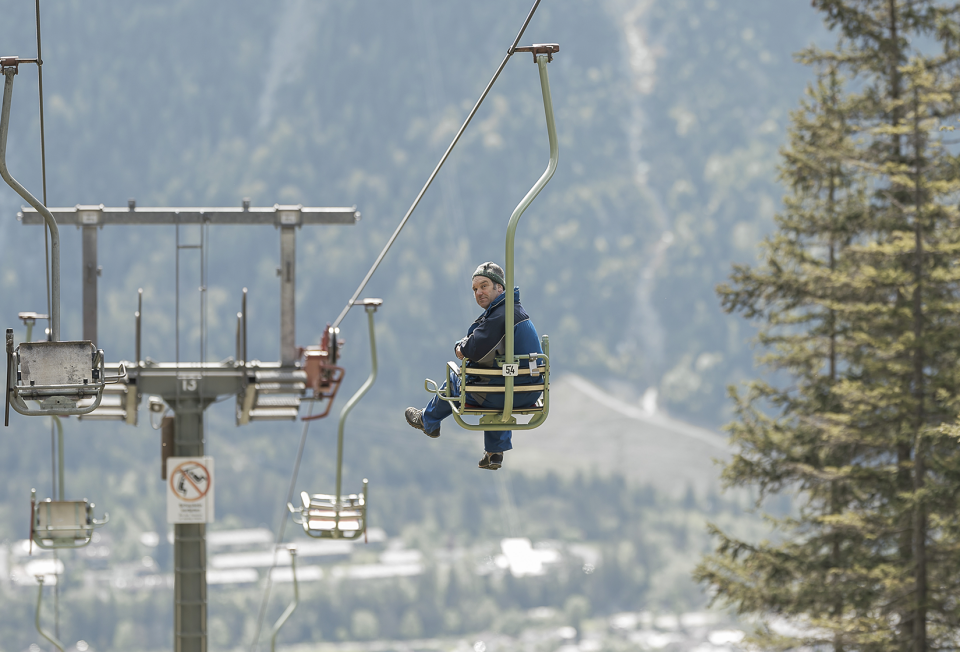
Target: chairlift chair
537 364
56 524
510 366
338 516
55 373
323 516
58 375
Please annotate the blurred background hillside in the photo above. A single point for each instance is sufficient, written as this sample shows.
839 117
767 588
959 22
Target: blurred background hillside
670 115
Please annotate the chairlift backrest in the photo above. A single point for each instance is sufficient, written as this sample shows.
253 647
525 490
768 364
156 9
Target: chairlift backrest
63 523
58 363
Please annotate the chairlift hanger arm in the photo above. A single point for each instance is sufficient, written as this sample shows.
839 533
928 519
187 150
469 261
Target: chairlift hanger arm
9 71
292 606
47 635
371 306
542 55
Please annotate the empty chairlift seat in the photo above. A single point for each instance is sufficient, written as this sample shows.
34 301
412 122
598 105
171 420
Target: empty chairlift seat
58 375
273 395
322 518
63 523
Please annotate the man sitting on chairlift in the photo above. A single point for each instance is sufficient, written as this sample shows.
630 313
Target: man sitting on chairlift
485 341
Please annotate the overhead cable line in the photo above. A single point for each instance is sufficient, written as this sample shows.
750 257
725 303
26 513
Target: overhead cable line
443 159
43 159
255 644
54 421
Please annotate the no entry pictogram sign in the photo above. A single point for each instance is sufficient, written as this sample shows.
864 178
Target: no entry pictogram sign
189 489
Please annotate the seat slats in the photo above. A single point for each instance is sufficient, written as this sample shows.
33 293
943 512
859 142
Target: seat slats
280 388
274 414
477 409
277 402
495 389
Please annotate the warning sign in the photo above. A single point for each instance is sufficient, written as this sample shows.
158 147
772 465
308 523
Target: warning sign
189 490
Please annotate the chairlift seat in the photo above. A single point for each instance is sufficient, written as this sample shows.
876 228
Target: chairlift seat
471 408
271 395
322 518
63 523
58 375
56 368
491 418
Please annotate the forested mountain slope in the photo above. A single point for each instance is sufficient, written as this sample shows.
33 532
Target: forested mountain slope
669 117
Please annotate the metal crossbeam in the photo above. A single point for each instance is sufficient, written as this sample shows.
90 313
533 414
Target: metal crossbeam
277 215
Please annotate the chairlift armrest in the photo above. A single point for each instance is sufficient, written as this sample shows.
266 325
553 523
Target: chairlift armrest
8 388
431 386
110 380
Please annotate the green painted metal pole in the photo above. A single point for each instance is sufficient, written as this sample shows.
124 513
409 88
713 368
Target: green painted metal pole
50 637
542 60
371 307
9 73
293 605
59 425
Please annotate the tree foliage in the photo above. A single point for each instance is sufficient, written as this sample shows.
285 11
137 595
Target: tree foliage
856 294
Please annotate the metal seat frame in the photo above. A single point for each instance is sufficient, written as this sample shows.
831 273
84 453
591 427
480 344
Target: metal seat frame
491 419
55 398
58 524
335 516
509 366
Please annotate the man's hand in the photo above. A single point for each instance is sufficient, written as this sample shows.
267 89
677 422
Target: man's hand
459 353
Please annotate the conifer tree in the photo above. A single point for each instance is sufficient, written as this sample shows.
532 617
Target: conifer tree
856 295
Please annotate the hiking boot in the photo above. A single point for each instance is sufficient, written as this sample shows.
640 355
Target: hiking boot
414 417
492 461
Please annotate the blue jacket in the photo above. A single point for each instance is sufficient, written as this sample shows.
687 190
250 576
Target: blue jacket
486 338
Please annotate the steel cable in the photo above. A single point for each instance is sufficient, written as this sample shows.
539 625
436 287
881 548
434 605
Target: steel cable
433 174
46 259
296 469
283 526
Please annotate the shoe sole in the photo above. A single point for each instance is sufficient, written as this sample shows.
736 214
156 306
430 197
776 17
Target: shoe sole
432 435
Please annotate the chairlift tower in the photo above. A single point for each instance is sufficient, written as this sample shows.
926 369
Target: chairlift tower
264 390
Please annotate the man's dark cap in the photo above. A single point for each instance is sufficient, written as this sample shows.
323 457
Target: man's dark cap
492 271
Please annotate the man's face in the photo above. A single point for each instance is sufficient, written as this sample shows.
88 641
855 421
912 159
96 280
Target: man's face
485 291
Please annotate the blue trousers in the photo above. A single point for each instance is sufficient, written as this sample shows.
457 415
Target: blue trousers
494 441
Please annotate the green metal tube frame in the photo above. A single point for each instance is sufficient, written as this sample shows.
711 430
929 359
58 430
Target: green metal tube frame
47 635
9 72
291 607
61 492
371 307
509 357
494 422
36 535
506 420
